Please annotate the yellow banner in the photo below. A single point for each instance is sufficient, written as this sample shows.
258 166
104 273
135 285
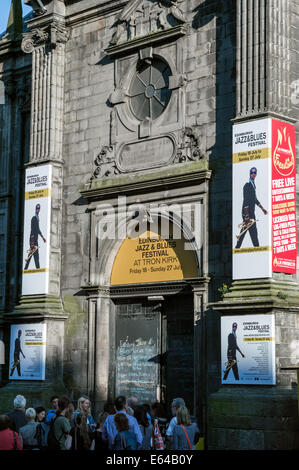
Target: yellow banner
30 271
251 155
258 339
149 258
37 194
251 249
34 343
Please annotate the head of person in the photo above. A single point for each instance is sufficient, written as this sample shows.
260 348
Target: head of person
37 209
5 422
121 422
81 423
102 418
84 405
120 403
54 402
252 173
158 410
234 327
30 414
140 415
40 414
132 402
183 416
109 408
175 405
19 403
63 404
70 411
19 333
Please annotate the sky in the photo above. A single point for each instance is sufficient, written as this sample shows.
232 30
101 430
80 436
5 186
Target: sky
4 12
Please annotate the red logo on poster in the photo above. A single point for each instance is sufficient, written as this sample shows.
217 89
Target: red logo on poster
283 155
284 230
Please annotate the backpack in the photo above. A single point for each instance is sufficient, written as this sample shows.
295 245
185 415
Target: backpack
52 441
39 436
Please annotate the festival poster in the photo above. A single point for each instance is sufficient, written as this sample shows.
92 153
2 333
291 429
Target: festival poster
248 350
27 360
252 237
36 240
284 197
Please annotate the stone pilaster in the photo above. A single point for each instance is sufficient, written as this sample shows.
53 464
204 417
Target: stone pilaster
263 58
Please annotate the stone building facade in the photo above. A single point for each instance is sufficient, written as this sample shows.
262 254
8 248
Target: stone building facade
132 104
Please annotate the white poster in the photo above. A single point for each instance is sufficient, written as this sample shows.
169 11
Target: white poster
27 360
36 241
248 350
252 236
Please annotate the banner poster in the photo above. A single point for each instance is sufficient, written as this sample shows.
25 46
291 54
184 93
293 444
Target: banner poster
27 360
248 350
36 241
264 207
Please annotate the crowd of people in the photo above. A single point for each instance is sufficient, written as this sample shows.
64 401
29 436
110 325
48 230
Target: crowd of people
122 425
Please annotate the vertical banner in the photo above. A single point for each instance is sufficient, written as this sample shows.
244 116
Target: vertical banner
284 197
248 350
264 199
27 360
36 241
252 200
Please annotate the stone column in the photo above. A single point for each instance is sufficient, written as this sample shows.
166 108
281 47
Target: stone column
46 41
263 90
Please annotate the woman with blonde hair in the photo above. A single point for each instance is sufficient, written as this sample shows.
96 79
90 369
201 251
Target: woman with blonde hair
184 431
84 407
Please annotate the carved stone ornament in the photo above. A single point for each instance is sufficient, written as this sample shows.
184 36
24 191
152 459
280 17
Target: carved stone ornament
189 147
105 164
37 6
23 92
35 38
141 17
54 34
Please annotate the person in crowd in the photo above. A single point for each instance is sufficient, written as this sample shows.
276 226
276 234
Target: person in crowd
61 424
28 432
109 428
80 434
42 428
132 403
70 414
184 432
84 407
9 439
175 405
125 439
17 416
100 444
147 408
109 408
160 417
54 407
145 427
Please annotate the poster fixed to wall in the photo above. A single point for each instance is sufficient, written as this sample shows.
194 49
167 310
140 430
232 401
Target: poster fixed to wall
248 350
36 241
27 358
264 205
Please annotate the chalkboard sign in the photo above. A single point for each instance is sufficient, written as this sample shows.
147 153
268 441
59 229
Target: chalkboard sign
137 348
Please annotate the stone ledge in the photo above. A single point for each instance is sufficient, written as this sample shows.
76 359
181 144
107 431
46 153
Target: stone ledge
37 308
175 174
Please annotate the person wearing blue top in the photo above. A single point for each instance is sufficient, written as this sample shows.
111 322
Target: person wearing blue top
109 430
52 413
84 407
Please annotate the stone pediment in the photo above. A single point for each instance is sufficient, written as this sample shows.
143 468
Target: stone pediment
144 18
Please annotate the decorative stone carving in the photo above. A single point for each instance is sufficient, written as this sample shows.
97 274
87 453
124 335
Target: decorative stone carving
189 147
34 39
105 164
37 6
141 17
23 93
55 33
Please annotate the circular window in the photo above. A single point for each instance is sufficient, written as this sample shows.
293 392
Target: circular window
149 91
